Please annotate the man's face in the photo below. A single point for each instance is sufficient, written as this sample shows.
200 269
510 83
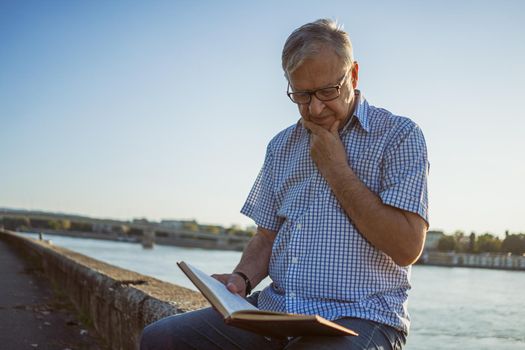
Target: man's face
323 70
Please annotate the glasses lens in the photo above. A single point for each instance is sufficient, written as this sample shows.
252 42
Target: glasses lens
327 93
300 97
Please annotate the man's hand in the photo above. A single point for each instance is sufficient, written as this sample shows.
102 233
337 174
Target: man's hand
233 282
326 148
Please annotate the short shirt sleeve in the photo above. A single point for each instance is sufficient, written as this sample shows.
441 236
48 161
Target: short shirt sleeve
405 173
260 204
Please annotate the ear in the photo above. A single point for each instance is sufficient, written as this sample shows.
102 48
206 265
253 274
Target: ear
355 74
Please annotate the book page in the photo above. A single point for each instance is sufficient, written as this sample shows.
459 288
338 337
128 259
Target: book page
230 301
240 313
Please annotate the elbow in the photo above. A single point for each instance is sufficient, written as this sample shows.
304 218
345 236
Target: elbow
411 246
409 253
407 259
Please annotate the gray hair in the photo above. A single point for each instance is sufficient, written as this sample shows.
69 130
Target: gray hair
310 39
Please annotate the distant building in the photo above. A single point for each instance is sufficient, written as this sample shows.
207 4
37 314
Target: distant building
215 229
101 227
176 224
432 240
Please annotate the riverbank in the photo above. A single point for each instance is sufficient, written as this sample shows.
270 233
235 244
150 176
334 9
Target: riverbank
486 260
179 239
167 232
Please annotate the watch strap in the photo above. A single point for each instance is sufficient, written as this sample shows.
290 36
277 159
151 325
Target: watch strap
247 283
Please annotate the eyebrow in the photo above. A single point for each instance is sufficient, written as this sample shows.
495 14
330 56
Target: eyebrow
323 87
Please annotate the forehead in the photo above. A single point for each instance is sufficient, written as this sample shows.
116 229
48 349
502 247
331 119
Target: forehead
323 69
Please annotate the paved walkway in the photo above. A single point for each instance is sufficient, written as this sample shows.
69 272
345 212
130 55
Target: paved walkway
31 315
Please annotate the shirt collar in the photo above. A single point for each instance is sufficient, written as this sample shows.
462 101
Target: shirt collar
360 113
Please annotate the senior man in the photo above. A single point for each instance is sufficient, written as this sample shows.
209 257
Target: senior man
341 210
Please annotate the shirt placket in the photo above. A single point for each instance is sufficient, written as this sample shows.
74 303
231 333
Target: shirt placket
292 268
296 248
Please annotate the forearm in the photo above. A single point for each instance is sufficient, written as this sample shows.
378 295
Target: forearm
256 256
395 232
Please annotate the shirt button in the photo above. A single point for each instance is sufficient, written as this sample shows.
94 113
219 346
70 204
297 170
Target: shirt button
299 226
295 260
291 295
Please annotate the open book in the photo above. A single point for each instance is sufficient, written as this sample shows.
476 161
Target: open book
240 313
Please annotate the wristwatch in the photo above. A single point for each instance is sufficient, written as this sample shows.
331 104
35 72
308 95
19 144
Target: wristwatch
247 283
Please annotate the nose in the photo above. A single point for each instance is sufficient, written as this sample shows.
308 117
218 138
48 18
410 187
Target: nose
316 106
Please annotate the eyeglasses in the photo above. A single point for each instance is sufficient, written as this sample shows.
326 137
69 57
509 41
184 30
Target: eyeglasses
324 94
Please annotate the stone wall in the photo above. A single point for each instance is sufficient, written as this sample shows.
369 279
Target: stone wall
118 302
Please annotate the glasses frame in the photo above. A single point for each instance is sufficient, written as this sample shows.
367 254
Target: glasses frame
314 92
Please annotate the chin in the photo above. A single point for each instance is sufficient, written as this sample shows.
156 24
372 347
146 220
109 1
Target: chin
325 124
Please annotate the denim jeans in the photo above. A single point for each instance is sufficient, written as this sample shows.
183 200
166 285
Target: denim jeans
205 329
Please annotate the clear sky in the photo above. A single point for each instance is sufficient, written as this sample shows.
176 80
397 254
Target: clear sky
163 109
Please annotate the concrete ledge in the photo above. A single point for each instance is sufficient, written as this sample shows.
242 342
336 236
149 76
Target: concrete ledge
118 302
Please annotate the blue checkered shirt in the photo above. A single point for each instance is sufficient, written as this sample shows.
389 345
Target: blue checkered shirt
320 263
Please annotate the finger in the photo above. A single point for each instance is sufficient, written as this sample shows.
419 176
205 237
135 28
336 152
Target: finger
334 129
316 129
232 287
221 278
236 288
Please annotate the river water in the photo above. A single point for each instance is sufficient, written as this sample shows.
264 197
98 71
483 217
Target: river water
451 308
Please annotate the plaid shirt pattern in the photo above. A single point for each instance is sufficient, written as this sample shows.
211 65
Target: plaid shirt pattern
320 263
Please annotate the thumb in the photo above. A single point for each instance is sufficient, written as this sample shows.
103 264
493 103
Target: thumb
233 284
232 287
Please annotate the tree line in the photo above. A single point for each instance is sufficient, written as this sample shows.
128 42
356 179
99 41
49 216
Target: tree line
484 243
28 223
